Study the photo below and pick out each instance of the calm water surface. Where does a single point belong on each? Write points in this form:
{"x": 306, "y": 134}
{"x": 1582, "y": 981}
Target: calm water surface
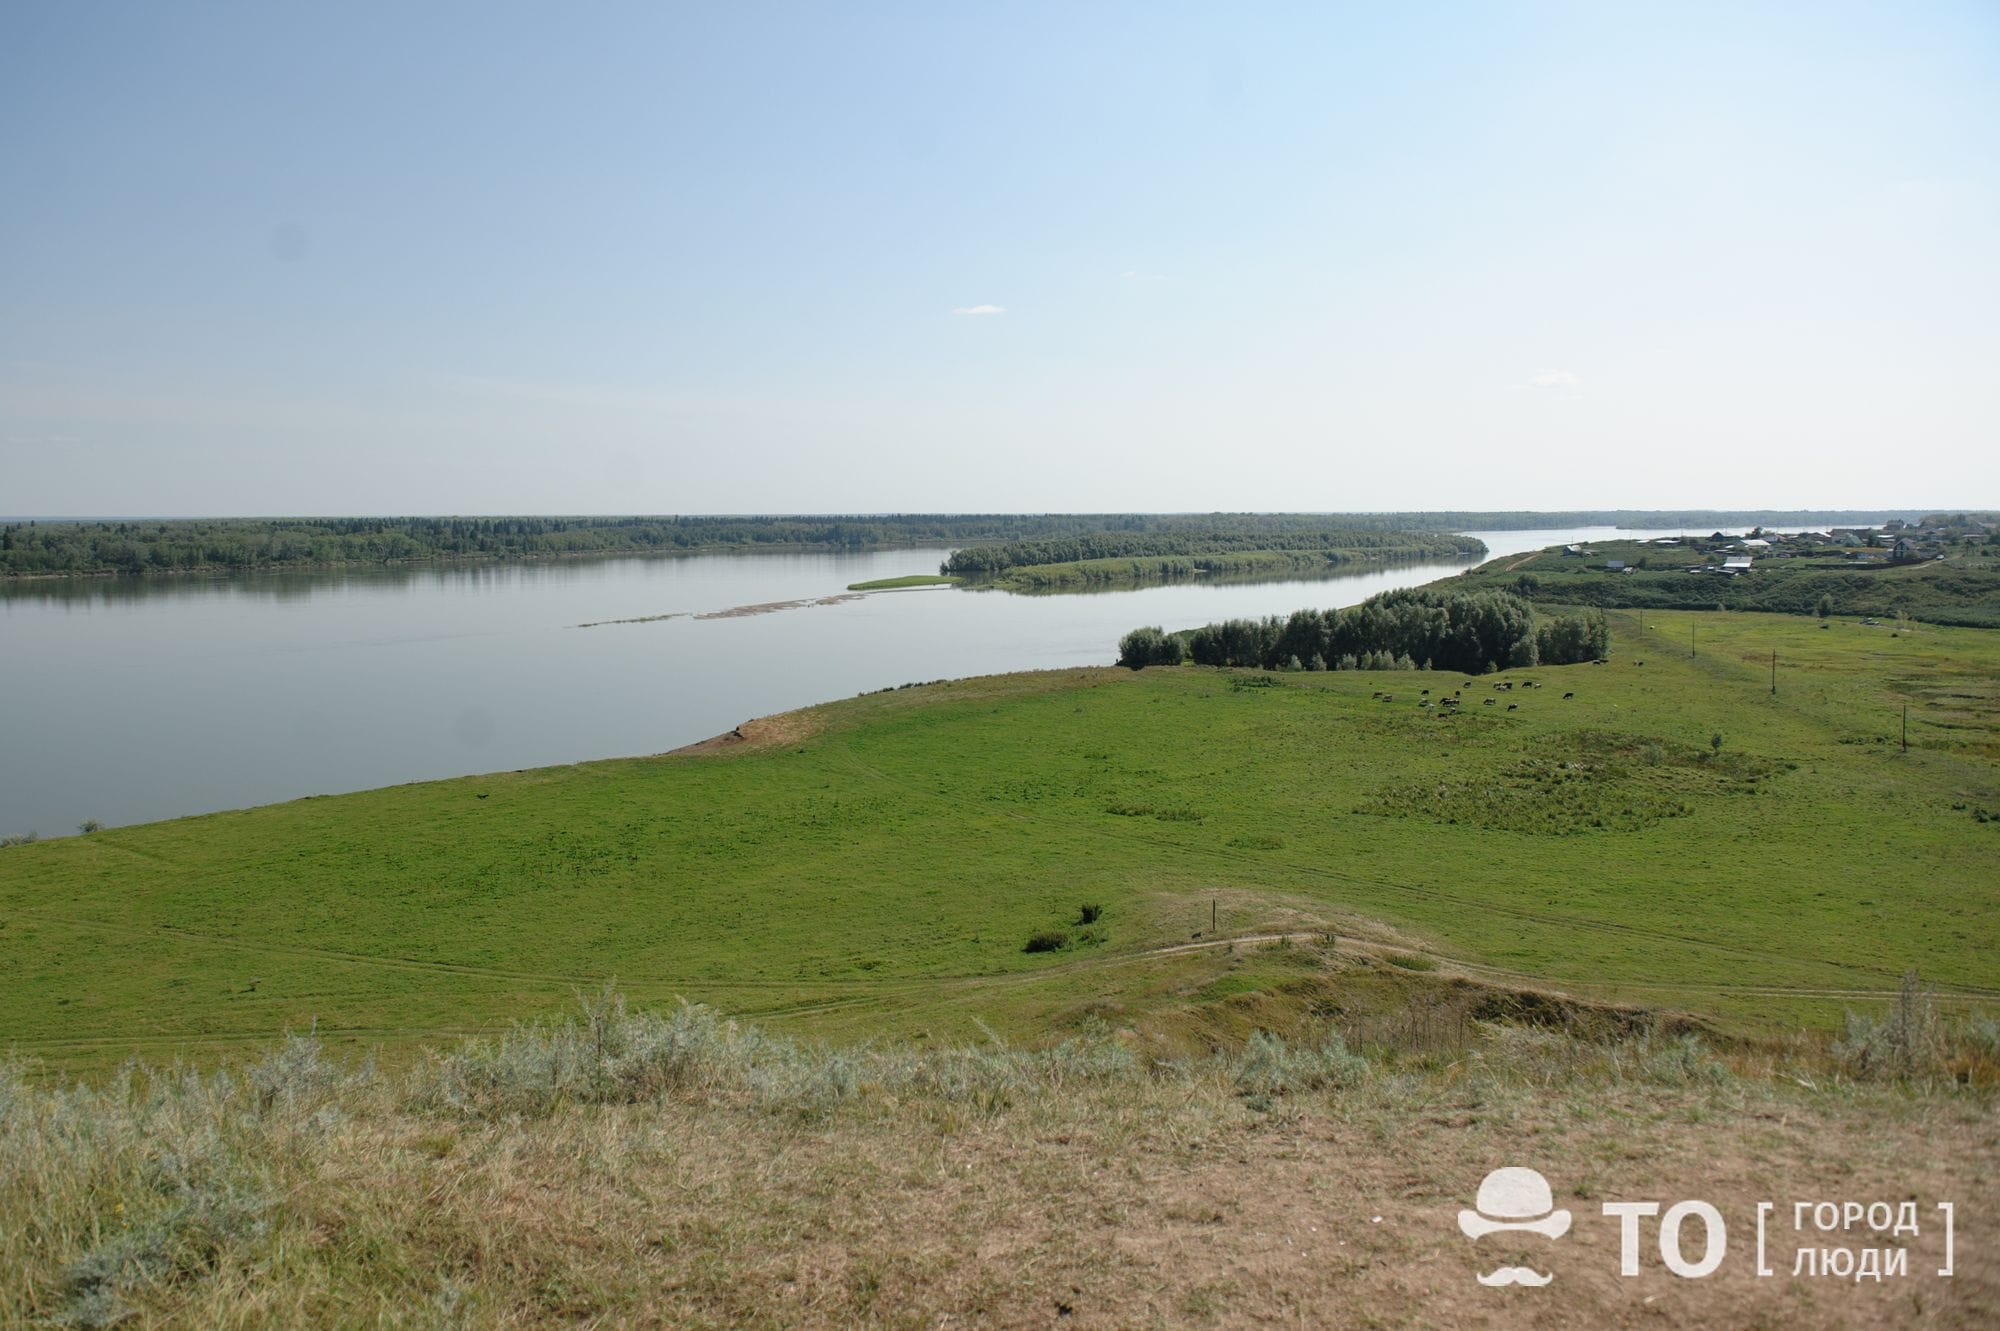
{"x": 128, "y": 701}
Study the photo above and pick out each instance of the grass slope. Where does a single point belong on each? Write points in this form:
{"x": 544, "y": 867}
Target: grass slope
{"x": 645, "y": 1169}
{"x": 875, "y": 866}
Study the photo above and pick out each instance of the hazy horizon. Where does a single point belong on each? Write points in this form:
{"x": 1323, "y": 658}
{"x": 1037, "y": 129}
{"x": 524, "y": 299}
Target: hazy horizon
{"x": 483, "y": 259}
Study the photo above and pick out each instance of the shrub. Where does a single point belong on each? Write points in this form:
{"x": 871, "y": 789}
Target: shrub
{"x": 1685, "y": 1061}
{"x": 1905, "y": 1044}
{"x": 1089, "y": 914}
{"x": 1048, "y": 940}
{"x": 1269, "y": 1066}
{"x": 1150, "y": 646}
{"x": 89, "y": 825}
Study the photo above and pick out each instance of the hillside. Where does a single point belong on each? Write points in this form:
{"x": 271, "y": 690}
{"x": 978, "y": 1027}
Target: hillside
{"x": 666, "y": 1169}
{"x": 1604, "y": 843}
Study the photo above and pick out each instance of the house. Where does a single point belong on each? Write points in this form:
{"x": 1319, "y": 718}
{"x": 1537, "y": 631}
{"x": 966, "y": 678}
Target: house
{"x": 1736, "y": 564}
{"x": 1755, "y": 543}
{"x": 1615, "y": 565}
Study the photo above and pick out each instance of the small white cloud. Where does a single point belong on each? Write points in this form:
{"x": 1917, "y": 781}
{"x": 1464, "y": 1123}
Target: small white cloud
{"x": 980, "y": 309}
{"x": 1555, "y": 379}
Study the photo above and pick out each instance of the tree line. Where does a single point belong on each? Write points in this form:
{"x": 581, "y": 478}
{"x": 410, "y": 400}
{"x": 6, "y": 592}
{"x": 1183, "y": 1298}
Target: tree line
{"x": 1417, "y": 628}
{"x": 1335, "y": 544}
{"x": 138, "y": 546}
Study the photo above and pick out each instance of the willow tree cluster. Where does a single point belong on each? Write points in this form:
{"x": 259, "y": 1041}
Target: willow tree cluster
{"x": 1415, "y": 629}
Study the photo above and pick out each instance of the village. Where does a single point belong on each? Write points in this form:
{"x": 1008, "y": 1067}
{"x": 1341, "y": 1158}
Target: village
{"x": 1895, "y": 542}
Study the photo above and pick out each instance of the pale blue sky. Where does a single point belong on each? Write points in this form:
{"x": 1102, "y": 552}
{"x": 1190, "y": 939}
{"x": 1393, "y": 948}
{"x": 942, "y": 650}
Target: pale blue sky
{"x": 276, "y": 258}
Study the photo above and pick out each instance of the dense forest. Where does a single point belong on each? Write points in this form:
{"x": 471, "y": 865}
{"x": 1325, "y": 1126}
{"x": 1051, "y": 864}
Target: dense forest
{"x": 1420, "y": 628}
{"x": 149, "y": 545}
{"x": 1326, "y": 545}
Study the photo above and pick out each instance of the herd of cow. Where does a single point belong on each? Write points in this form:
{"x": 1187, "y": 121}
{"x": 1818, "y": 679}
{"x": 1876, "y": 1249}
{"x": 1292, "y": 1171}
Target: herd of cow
{"x": 1449, "y": 703}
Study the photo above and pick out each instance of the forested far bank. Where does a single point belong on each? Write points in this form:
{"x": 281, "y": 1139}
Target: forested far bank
{"x": 1419, "y": 628}
{"x": 30, "y": 547}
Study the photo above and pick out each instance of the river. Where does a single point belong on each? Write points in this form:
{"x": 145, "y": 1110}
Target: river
{"x": 129, "y": 700}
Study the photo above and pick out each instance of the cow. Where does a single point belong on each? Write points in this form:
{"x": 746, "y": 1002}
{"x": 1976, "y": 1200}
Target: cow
{"x": 1568, "y": 696}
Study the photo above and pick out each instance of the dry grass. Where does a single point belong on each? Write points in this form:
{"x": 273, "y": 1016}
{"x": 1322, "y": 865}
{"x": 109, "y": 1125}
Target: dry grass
{"x": 677, "y": 1170}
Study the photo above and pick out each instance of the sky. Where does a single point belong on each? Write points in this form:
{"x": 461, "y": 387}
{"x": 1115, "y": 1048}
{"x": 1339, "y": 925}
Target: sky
{"x": 277, "y": 258}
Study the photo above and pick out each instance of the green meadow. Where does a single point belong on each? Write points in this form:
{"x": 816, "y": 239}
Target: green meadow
{"x": 1674, "y": 835}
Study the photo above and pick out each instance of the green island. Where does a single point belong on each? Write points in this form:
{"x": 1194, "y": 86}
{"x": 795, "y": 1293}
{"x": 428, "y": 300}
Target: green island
{"x": 1727, "y": 912}
{"x": 907, "y": 580}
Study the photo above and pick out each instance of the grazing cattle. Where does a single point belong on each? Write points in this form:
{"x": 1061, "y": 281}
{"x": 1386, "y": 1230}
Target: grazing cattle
{"x": 1568, "y": 696}
{"x": 1488, "y": 701}
{"x": 1638, "y": 663}
{"x": 1376, "y": 694}
{"x": 1427, "y": 692}
{"x": 1388, "y": 697}
{"x": 1513, "y": 707}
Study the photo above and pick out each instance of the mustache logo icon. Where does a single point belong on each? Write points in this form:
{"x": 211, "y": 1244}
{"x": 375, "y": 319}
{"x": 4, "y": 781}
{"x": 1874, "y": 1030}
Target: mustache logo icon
{"x": 1514, "y": 1201}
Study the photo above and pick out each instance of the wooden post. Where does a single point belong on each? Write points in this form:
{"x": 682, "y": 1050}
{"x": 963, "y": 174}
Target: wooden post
{"x": 1690, "y": 639}
{"x": 1906, "y": 727}
{"x": 1774, "y": 674}
{"x": 1211, "y": 900}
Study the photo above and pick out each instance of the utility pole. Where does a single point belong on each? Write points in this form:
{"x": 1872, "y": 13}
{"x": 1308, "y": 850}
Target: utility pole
{"x": 1211, "y": 900}
{"x": 1690, "y": 637}
{"x": 1774, "y": 673}
{"x": 1906, "y": 727}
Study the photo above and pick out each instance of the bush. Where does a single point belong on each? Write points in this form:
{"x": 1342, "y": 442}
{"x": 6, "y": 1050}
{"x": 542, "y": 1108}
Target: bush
{"x": 1089, "y": 914}
{"x": 1150, "y": 646}
{"x": 1906, "y": 1044}
{"x": 1269, "y": 1066}
{"x": 1049, "y": 940}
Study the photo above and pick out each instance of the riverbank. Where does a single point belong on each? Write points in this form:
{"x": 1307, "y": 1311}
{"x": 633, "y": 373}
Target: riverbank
{"x": 1580, "y": 843}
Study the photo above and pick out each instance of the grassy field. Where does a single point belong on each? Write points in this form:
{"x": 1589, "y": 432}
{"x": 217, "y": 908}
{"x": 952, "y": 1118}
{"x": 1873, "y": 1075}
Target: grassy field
{"x": 875, "y": 867}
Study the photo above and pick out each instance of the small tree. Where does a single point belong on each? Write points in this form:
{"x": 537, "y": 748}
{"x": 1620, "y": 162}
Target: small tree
{"x": 1825, "y": 608}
